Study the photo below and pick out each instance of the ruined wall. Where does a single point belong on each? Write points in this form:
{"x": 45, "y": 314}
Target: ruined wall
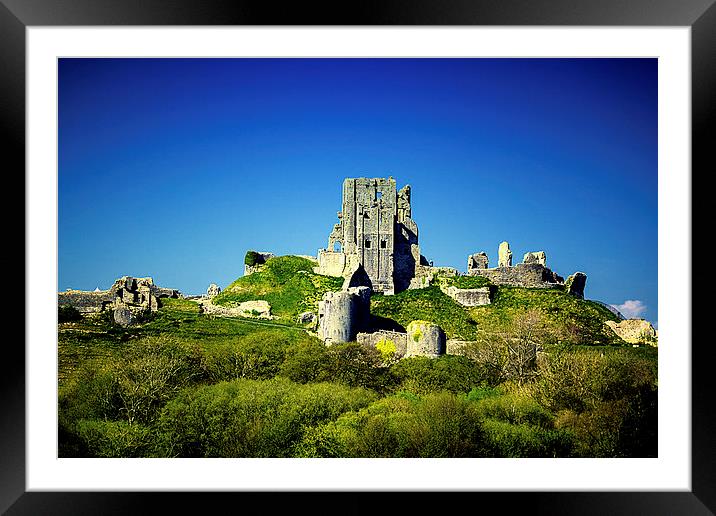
{"x": 469, "y": 296}
{"x": 126, "y": 292}
{"x": 86, "y": 302}
{"x": 575, "y": 284}
{"x": 530, "y": 275}
{"x": 399, "y": 340}
{"x": 330, "y": 263}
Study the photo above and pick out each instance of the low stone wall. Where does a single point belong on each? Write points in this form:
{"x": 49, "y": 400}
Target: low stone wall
{"x": 258, "y": 309}
{"x": 530, "y": 275}
{"x": 330, "y": 263}
{"x": 127, "y": 290}
{"x": 86, "y": 302}
{"x": 456, "y": 347}
{"x": 397, "y": 339}
{"x": 469, "y": 296}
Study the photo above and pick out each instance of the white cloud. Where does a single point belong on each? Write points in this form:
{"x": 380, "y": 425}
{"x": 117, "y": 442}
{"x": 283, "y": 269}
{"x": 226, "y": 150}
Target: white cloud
{"x": 631, "y": 308}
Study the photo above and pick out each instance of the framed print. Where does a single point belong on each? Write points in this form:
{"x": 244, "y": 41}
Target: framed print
{"x": 80, "y": 77}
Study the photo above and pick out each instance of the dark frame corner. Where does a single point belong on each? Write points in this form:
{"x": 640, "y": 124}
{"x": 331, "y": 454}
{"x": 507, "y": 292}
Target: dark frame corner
{"x": 700, "y": 15}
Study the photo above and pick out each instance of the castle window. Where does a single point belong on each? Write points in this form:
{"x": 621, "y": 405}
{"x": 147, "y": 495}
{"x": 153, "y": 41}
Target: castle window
{"x": 367, "y": 244}
{"x": 366, "y": 216}
{"x": 383, "y": 244}
{"x": 378, "y": 195}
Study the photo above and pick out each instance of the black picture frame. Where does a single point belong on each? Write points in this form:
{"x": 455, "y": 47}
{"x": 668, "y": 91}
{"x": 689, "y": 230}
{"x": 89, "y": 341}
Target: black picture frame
{"x": 699, "y": 15}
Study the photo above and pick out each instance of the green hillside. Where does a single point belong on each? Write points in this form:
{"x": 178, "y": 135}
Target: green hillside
{"x": 572, "y": 320}
{"x": 288, "y": 283}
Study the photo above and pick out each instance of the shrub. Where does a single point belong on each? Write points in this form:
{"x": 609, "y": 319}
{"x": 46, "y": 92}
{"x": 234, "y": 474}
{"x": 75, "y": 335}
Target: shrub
{"x": 68, "y": 313}
{"x": 152, "y": 371}
{"x": 422, "y": 374}
{"x": 255, "y": 356}
{"x": 114, "y": 438}
{"x": 253, "y": 258}
{"x": 438, "y": 425}
{"x": 248, "y": 418}
{"x": 91, "y": 392}
{"x": 305, "y": 362}
{"x": 356, "y": 365}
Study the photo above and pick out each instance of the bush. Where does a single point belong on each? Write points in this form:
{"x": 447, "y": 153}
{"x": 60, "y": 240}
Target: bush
{"x": 152, "y": 371}
{"x": 253, "y": 258}
{"x": 249, "y": 418}
{"x": 68, "y": 313}
{"x": 356, "y": 365}
{"x": 438, "y": 425}
{"x": 305, "y": 362}
{"x": 114, "y": 438}
{"x": 91, "y": 392}
{"x": 421, "y": 375}
{"x": 257, "y": 356}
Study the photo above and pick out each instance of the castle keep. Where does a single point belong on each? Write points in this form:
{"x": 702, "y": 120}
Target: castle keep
{"x": 375, "y": 231}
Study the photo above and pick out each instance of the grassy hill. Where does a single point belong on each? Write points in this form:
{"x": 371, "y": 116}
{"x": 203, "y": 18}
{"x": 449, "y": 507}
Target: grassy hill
{"x": 576, "y": 321}
{"x": 290, "y": 286}
{"x": 288, "y": 283}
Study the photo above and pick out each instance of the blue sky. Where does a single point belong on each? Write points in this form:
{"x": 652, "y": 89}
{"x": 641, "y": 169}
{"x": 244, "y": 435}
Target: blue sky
{"x": 174, "y": 168}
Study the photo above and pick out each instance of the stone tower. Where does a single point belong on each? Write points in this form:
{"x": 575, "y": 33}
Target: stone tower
{"x": 375, "y": 230}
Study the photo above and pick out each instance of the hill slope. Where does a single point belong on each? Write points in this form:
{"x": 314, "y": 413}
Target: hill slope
{"x": 290, "y": 286}
{"x": 288, "y": 283}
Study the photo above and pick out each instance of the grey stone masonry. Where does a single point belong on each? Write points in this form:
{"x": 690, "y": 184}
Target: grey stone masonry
{"x": 342, "y": 314}
{"x": 504, "y": 255}
{"x": 425, "y": 339}
{"x": 469, "y": 296}
{"x": 399, "y": 340}
{"x": 575, "y": 284}
{"x": 531, "y": 275}
{"x": 477, "y": 261}
{"x": 538, "y": 257}
{"x": 375, "y": 226}
{"x": 138, "y": 293}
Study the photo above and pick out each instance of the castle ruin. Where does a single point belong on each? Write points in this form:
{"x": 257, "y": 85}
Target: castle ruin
{"x": 375, "y": 231}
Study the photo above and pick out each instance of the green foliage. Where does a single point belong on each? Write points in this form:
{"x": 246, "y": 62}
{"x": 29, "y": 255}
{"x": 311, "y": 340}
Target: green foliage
{"x": 152, "y": 371}
{"x": 92, "y": 392}
{"x": 437, "y": 425}
{"x": 305, "y": 362}
{"x": 577, "y": 321}
{"x": 249, "y": 418}
{"x": 468, "y": 281}
{"x": 572, "y": 320}
{"x": 352, "y": 364}
{"x": 68, "y": 313}
{"x": 184, "y": 383}
{"x": 503, "y": 439}
{"x": 608, "y": 400}
{"x": 257, "y": 356}
{"x": 429, "y": 304}
{"x": 386, "y": 348}
{"x": 115, "y": 438}
{"x": 286, "y": 282}
{"x": 422, "y": 375}
{"x": 253, "y": 258}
